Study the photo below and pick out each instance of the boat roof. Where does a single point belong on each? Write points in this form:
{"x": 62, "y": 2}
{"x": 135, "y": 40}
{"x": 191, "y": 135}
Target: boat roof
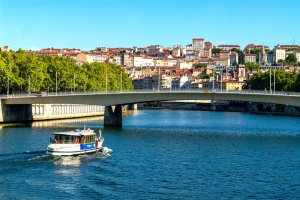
{"x": 76, "y": 132}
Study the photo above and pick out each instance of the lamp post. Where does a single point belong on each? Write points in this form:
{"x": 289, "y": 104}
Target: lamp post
{"x": 270, "y": 81}
{"x": 274, "y": 81}
{"x": 106, "y": 79}
{"x": 7, "y": 85}
{"x": 121, "y": 82}
{"x": 56, "y": 82}
{"x": 74, "y": 83}
{"x": 213, "y": 86}
{"x": 222, "y": 80}
{"x": 29, "y": 85}
{"x": 158, "y": 79}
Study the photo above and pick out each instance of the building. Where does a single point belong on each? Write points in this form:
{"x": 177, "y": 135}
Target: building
{"x": 287, "y": 47}
{"x": 198, "y": 44}
{"x": 5, "y": 48}
{"x": 140, "y": 61}
{"x": 234, "y": 58}
{"x": 117, "y": 59}
{"x": 127, "y": 59}
{"x": 263, "y": 57}
{"x": 178, "y": 51}
{"x": 222, "y": 61}
{"x": 250, "y": 58}
{"x": 162, "y": 81}
{"x": 227, "y": 47}
{"x": 250, "y": 47}
{"x": 233, "y": 85}
{"x": 153, "y": 49}
{"x": 92, "y": 57}
{"x": 49, "y": 52}
{"x": 279, "y": 54}
{"x": 270, "y": 58}
{"x": 242, "y": 72}
{"x": 297, "y": 56}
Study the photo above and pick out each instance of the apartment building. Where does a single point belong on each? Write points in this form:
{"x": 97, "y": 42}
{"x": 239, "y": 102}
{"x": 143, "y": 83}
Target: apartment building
{"x": 250, "y": 58}
{"x": 228, "y": 47}
{"x": 92, "y": 57}
{"x": 234, "y": 58}
{"x": 279, "y": 54}
{"x": 198, "y": 44}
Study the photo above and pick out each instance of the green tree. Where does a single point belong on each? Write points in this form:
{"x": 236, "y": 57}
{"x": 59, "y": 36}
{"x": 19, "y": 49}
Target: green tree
{"x": 216, "y": 50}
{"x": 291, "y": 59}
{"x": 27, "y": 72}
{"x": 252, "y": 66}
{"x": 201, "y": 66}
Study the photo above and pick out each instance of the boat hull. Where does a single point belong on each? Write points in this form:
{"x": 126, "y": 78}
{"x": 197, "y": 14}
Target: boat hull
{"x": 72, "y": 153}
{"x": 73, "y": 149}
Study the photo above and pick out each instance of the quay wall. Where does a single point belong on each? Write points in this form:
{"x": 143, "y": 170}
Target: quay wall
{"x": 39, "y": 112}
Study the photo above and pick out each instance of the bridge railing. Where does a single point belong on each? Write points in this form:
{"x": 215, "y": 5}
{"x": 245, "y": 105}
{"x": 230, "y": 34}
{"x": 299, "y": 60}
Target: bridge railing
{"x": 262, "y": 92}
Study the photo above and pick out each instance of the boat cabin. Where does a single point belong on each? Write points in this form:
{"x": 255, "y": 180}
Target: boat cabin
{"x": 73, "y": 137}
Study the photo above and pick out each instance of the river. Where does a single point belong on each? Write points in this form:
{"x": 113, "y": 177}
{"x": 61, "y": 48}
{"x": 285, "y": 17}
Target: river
{"x": 161, "y": 154}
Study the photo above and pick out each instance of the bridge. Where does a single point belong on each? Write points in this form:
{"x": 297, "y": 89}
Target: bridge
{"x": 113, "y": 101}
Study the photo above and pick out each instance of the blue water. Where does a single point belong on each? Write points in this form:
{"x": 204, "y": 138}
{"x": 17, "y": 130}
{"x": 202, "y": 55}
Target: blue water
{"x": 159, "y": 155}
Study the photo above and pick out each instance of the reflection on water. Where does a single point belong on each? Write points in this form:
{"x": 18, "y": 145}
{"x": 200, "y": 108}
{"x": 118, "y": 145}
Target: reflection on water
{"x": 67, "y": 160}
{"x": 75, "y": 161}
{"x": 65, "y": 122}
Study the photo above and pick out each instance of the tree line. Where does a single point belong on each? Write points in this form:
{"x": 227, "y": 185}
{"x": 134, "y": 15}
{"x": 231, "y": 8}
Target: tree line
{"x": 23, "y": 71}
{"x": 284, "y": 81}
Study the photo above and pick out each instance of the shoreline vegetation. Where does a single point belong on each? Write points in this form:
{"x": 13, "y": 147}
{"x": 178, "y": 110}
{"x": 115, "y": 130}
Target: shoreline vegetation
{"x": 23, "y": 71}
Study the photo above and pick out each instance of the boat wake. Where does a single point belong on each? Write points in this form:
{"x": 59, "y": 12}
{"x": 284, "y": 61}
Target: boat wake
{"x": 106, "y": 151}
{"x": 42, "y": 156}
{"x": 20, "y": 155}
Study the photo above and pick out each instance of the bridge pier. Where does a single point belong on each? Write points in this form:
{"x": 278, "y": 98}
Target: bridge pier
{"x": 113, "y": 117}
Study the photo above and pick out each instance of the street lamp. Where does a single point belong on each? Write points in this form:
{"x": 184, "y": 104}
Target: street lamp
{"x": 274, "y": 80}
{"x": 213, "y": 78}
{"x": 121, "y": 81}
{"x": 56, "y": 82}
{"x": 74, "y": 84}
{"x": 270, "y": 81}
{"x": 158, "y": 79}
{"x": 106, "y": 79}
{"x": 29, "y": 85}
{"x": 7, "y": 85}
{"x": 222, "y": 80}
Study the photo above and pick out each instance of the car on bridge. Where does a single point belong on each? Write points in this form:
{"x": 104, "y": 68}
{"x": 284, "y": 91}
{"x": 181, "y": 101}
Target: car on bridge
{"x": 40, "y": 94}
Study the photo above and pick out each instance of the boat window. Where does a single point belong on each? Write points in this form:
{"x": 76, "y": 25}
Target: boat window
{"x": 81, "y": 139}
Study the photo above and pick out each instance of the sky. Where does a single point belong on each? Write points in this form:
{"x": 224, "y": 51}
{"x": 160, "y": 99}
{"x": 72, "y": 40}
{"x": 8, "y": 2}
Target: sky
{"x": 87, "y": 24}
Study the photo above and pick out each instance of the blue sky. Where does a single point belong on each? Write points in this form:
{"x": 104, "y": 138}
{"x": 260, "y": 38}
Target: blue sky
{"x": 86, "y": 24}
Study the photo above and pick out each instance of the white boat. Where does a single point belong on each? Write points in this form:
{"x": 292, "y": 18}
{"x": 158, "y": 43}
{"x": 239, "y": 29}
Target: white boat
{"x": 75, "y": 142}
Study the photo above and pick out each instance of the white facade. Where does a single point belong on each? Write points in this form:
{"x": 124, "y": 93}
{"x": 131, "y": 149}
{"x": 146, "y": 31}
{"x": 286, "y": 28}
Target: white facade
{"x": 117, "y": 59}
{"x": 298, "y": 56}
{"x": 222, "y": 62}
{"x": 185, "y": 65}
{"x": 250, "y": 58}
{"x": 140, "y": 61}
{"x": 227, "y": 47}
{"x": 198, "y": 44}
{"x": 279, "y": 54}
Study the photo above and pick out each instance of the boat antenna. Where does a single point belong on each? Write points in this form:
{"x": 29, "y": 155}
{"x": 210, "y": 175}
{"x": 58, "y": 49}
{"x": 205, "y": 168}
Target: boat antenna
{"x": 84, "y": 127}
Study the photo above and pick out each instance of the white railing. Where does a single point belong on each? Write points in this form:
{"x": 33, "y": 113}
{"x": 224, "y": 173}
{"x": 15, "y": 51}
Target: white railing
{"x": 217, "y": 91}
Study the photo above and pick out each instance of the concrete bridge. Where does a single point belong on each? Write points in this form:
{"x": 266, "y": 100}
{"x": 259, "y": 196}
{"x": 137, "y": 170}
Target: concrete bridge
{"x": 113, "y": 101}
